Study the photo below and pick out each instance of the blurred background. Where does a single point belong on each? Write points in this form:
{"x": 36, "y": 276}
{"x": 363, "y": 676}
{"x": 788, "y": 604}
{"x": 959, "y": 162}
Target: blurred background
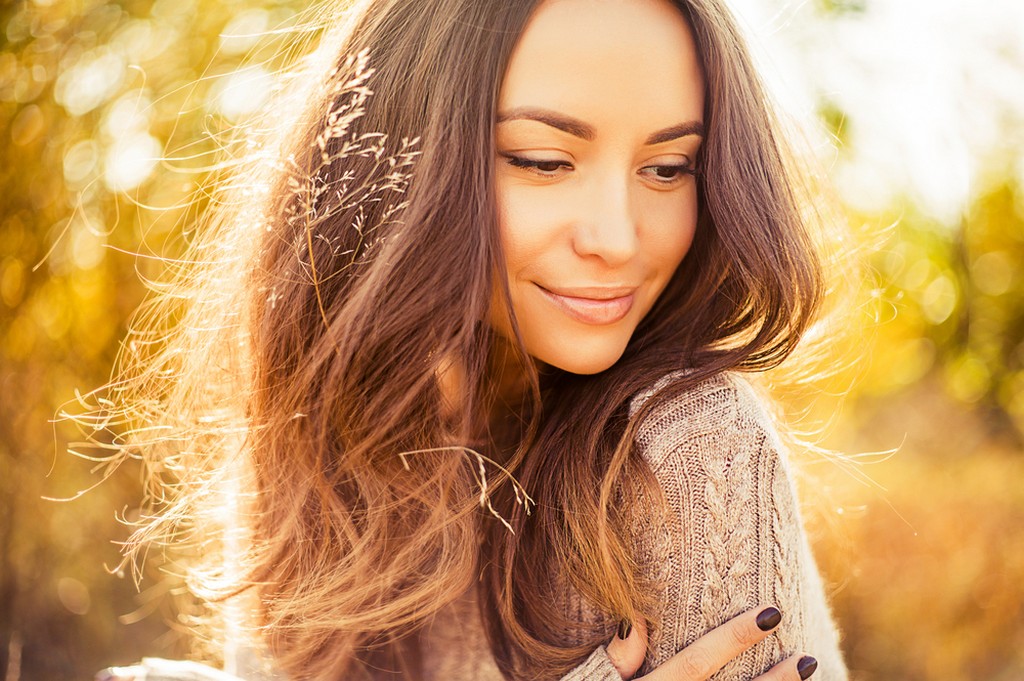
{"x": 109, "y": 113}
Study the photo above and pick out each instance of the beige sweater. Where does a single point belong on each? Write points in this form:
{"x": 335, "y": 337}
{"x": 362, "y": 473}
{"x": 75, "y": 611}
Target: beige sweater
{"x": 734, "y": 541}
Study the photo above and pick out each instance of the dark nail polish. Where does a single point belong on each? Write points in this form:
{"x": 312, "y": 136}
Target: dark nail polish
{"x": 806, "y": 666}
{"x": 624, "y": 629}
{"x": 768, "y": 619}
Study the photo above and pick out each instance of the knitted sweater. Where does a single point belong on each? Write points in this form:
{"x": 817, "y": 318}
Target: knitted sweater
{"x": 733, "y": 541}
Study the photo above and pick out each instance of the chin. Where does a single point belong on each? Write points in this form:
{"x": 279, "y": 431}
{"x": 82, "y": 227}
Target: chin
{"x": 581, "y": 360}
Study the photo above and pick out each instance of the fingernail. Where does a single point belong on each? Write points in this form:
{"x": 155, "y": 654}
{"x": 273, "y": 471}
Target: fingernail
{"x": 624, "y": 629}
{"x": 768, "y": 619}
{"x": 806, "y": 666}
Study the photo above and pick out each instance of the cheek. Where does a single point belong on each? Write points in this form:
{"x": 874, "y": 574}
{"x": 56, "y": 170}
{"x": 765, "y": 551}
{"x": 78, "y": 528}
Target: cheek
{"x": 528, "y": 223}
{"x": 671, "y": 228}
{"x": 524, "y": 234}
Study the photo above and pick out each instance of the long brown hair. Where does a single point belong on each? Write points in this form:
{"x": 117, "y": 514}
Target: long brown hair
{"x": 321, "y": 314}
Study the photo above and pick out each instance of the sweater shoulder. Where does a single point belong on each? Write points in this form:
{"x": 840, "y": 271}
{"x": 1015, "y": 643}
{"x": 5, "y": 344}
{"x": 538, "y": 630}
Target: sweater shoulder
{"x": 713, "y": 418}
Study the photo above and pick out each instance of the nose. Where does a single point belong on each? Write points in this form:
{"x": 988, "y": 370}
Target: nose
{"x": 607, "y": 229}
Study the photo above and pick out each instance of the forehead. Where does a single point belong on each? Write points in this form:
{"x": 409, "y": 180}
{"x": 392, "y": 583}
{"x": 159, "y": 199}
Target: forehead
{"x": 609, "y": 59}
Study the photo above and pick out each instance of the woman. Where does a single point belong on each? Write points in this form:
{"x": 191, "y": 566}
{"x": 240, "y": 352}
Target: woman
{"x": 481, "y": 355}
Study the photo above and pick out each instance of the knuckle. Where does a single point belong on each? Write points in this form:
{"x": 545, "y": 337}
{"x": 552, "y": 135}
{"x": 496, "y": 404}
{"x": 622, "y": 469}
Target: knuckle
{"x": 696, "y": 663}
{"x": 742, "y": 636}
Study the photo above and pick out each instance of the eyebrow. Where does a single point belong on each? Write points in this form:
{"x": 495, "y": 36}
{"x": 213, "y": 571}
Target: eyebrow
{"x": 578, "y": 128}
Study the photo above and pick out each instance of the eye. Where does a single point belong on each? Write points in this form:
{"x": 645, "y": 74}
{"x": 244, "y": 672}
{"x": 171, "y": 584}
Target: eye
{"x": 669, "y": 174}
{"x": 542, "y": 167}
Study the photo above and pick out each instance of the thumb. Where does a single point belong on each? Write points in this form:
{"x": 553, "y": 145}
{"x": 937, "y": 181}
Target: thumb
{"x": 627, "y": 655}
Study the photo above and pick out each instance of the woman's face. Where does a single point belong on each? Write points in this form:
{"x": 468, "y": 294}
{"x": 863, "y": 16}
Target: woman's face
{"x": 599, "y": 122}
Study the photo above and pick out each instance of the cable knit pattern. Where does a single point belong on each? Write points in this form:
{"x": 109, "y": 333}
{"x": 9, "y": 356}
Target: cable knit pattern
{"x": 732, "y": 541}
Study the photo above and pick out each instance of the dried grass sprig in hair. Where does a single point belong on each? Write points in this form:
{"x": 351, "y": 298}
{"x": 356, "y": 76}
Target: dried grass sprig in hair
{"x": 321, "y": 194}
{"x": 522, "y": 498}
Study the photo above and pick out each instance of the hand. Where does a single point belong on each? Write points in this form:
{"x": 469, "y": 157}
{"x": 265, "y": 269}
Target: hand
{"x": 156, "y": 669}
{"x": 712, "y": 651}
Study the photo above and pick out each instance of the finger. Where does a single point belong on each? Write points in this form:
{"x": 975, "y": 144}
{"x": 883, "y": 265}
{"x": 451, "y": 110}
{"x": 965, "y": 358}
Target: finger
{"x": 712, "y": 651}
{"x": 796, "y": 668}
{"x": 628, "y": 654}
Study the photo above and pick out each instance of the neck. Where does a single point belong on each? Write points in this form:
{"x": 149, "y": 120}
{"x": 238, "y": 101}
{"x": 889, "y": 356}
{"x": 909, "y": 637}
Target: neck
{"x": 509, "y": 371}
{"x": 509, "y": 378}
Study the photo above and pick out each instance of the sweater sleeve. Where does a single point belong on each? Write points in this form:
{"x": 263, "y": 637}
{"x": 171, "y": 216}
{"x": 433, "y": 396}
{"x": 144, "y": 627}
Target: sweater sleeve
{"x": 597, "y": 667}
{"x": 732, "y": 539}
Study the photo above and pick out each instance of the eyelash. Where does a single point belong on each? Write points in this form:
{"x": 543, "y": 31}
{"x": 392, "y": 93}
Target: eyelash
{"x": 534, "y": 166}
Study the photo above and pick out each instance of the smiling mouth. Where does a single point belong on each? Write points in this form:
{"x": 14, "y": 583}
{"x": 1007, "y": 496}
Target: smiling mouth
{"x": 598, "y": 307}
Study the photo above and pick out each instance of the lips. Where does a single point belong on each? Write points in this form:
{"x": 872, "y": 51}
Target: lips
{"x": 592, "y": 305}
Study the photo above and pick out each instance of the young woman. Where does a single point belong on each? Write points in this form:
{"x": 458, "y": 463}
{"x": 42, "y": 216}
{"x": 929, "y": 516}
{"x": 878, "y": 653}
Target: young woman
{"x": 470, "y": 365}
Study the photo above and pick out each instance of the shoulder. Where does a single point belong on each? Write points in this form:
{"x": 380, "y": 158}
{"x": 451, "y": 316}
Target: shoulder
{"x": 719, "y": 391}
{"x": 714, "y": 419}
{"x": 729, "y": 532}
